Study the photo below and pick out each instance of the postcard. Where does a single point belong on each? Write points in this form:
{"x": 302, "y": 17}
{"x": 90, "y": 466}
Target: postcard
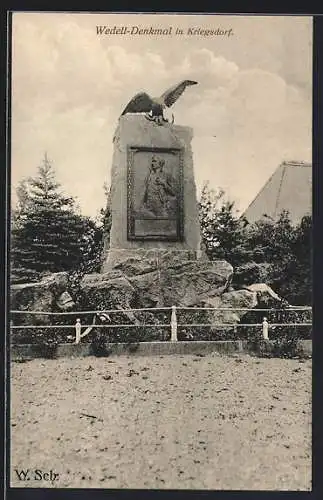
{"x": 160, "y": 265}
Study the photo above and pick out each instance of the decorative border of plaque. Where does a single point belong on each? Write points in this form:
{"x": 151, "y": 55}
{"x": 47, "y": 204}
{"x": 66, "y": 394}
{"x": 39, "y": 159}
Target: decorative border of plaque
{"x": 155, "y": 195}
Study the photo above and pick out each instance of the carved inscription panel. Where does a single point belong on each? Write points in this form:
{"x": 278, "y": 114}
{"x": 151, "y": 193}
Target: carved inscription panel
{"x": 155, "y": 194}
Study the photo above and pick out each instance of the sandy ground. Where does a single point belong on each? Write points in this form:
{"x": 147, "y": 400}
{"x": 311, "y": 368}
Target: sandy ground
{"x": 197, "y": 422}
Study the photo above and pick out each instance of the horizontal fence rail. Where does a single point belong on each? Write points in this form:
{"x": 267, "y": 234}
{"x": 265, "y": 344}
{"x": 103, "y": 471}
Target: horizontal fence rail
{"x": 106, "y": 311}
{"x": 290, "y": 308}
{"x": 127, "y": 325}
{"x": 173, "y": 324}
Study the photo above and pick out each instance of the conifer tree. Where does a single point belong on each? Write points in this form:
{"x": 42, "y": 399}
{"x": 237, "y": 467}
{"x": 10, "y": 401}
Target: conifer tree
{"x": 48, "y": 235}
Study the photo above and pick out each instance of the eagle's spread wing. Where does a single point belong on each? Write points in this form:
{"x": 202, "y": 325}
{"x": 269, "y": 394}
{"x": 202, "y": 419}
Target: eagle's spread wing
{"x": 171, "y": 95}
{"x": 140, "y": 103}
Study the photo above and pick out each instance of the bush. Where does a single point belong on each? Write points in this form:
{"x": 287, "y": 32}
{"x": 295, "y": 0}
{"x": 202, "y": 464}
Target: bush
{"x": 41, "y": 336}
{"x": 260, "y": 347}
{"x": 290, "y": 316}
{"x": 288, "y": 346}
{"x": 133, "y": 332}
{"x": 249, "y": 273}
{"x": 285, "y": 340}
{"x": 99, "y": 347}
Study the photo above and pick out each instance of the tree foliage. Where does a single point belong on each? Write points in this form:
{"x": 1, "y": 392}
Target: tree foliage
{"x": 223, "y": 232}
{"x": 275, "y": 252}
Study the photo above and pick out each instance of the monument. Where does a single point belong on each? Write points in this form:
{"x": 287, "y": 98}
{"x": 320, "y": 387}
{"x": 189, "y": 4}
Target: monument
{"x": 153, "y": 256}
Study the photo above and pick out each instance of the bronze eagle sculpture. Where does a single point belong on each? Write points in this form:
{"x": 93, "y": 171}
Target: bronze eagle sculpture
{"x": 154, "y": 106}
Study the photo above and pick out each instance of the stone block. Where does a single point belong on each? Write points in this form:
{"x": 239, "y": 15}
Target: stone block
{"x": 48, "y": 295}
{"x": 187, "y": 283}
{"x": 136, "y": 131}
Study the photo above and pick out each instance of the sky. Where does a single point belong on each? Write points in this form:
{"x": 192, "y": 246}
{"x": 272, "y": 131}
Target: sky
{"x": 251, "y": 109}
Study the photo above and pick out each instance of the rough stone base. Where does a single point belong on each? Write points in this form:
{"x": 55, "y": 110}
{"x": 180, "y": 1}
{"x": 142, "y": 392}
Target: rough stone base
{"x": 157, "y": 279}
{"x": 140, "y": 260}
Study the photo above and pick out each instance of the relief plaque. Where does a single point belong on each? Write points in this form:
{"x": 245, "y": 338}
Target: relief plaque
{"x": 155, "y": 194}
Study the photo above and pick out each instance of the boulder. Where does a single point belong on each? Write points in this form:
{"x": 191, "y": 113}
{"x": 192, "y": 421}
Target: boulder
{"x": 233, "y": 300}
{"x": 148, "y": 283}
{"x": 148, "y": 292}
{"x": 266, "y": 297}
{"x": 173, "y": 257}
{"x": 187, "y": 283}
{"x": 139, "y": 261}
{"x": 238, "y": 303}
{"x": 164, "y": 279}
{"x": 132, "y": 263}
{"x": 151, "y": 283}
{"x": 106, "y": 291}
{"x": 48, "y": 295}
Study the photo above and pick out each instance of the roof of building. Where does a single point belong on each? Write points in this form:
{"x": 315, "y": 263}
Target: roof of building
{"x": 289, "y": 188}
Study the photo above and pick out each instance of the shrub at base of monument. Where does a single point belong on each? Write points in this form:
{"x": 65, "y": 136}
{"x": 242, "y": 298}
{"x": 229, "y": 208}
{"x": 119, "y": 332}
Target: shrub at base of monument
{"x": 42, "y": 336}
{"x": 289, "y": 347}
{"x": 99, "y": 346}
{"x": 285, "y": 339}
{"x": 251, "y": 272}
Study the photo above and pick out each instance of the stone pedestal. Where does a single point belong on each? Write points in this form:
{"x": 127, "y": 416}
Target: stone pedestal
{"x": 154, "y": 257}
{"x": 140, "y": 231}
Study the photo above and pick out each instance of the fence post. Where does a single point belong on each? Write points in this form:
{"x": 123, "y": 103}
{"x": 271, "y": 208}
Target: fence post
{"x": 78, "y": 331}
{"x": 265, "y": 326}
{"x": 173, "y": 325}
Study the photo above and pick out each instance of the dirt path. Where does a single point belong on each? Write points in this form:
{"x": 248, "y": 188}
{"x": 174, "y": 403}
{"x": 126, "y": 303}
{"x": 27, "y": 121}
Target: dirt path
{"x": 211, "y": 422}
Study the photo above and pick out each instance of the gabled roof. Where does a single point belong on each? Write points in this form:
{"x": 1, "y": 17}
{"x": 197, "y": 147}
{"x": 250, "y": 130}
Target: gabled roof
{"x": 289, "y": 188}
